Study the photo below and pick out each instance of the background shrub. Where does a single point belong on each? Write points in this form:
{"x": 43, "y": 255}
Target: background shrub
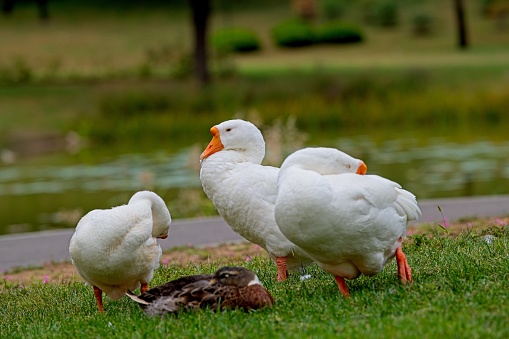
{"x": 338, "y": 33}
{"x": 230, "y": 40}
{"x": 333, "y": 9}
{"x": 422, "y": 23}
{"x": 293, "y": 33}
{"x": 383, "y": 13}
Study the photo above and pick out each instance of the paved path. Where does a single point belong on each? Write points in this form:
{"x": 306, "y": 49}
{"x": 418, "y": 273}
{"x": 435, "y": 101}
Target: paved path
{"x": 40, "y": 247}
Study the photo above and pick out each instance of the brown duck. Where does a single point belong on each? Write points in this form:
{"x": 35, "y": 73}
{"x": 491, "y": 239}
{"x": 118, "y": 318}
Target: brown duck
{"x": 229, "y": 287}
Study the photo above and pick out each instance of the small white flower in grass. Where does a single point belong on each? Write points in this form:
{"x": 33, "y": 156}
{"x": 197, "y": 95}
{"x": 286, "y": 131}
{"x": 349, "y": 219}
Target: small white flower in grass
{"x": 489, "y": 238}
{"x": 305, "y": 277}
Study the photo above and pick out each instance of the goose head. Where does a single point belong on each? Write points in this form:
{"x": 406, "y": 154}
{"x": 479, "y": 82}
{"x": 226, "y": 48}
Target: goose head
{"x": 238, "y": 139}
{"x": 325, "y": 161}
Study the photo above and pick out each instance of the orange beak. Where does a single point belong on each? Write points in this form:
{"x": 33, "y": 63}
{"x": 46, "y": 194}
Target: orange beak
{"x": 362, "y": 168}
{"x": 215, "y": 145}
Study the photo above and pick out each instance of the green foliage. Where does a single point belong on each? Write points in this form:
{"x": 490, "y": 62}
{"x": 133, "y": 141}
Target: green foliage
{"x": 228, "y": 40}
{"x": 383, "y": 13}
{"x": 293, "y": 33}
{"x": 459, "y": 290}
{"x": 134, "y": 103}
{"x": 338, "y": 33}
{"x": 173, "y": 59}
{"x": 17, "y": 72}
{"x": 298, "y": 33}
{"x": 333, "y": 9}
{"x": 422, "y": 23}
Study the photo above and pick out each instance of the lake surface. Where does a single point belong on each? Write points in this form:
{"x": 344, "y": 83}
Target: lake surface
{"x": 55, "y": 191}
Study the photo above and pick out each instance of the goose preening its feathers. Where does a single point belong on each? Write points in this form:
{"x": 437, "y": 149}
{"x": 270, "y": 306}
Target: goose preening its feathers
{"x": 349, "y": 224}
{"x": 244, "y": 192}
{"x": 115, "y": 250}
{"x": 229, "y": 287}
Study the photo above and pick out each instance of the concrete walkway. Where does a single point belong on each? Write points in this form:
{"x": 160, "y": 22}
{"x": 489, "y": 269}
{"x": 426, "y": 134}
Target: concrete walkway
{"x": 34, "y": 249}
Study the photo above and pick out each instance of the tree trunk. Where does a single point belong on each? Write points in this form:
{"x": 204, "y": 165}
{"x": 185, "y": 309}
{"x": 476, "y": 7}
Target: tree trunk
{"x": 200, "y": 14}
{"x": 8, "y": 7}
{"x": 42, "y": 6}
{"x": 459, "y": 10}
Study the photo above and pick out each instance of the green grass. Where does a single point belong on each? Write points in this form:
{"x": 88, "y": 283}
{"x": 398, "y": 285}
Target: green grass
{"x": 460, "y": 290}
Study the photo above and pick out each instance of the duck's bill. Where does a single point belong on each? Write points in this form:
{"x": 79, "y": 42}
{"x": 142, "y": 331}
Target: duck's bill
{"x": 215, "y": 145}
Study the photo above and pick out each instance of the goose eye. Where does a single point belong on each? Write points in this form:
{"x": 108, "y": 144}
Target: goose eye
{"x": 348, "y": 166}
{"x": 228, "y": 129}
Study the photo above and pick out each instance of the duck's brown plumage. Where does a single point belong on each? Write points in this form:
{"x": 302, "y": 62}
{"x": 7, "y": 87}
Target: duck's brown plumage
{"x": 229, "y": 287}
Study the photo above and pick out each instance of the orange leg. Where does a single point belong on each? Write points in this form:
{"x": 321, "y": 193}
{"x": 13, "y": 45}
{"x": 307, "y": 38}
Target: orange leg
{"x": 144, "y": 287}
{"x": 282, "y": 273}
{"x": 342, "y": 286}
{"x": 404, "y": 271}
{"x": 98, "y": 293}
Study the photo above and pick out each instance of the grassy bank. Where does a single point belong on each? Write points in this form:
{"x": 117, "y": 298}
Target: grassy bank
{"x": 322, "y": 103}
{"x": 122, "y": 74}
{"x": 459, "y": 289}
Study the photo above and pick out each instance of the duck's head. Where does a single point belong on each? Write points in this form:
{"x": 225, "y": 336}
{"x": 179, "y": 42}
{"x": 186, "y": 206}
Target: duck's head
{"x": 325, "y": 161}
{"x": 235, "y": 276}
{"x": 239, "y": 136}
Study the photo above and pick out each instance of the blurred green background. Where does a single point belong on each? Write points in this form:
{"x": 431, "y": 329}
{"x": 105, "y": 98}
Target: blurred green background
{"x": 100, "y": 100}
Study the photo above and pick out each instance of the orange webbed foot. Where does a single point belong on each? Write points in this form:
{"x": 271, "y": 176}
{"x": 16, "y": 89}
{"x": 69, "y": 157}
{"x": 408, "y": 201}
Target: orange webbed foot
{"x": 404, "y": 270}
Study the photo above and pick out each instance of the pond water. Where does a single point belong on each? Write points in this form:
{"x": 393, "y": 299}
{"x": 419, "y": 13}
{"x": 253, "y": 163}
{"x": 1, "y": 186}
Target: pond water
{"x": 54, "y": 192}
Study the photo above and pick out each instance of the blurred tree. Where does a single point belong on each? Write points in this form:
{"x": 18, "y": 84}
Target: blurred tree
{"x": 305, "y": 9}
{"x": 497, "y": 10}
{"x": 200, "y": 11}
{"x": 8, "y": 7}
{"x": 42, "y": 6}
{"x": 459, "y": 10}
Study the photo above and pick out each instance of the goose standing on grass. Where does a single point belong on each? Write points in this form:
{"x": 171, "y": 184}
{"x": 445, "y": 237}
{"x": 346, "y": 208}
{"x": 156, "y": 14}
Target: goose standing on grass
{"x": 229, "y": 287}
{"x": 115, "y": 250}
{"x": 244, "y": 191}
{"x": 348, "y": 223}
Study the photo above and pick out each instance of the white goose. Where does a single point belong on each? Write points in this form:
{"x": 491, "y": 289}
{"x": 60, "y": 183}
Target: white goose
{"x": 349, "y": 224}
{"x": 244, "y": 191}
{"x": 115, "y": 250}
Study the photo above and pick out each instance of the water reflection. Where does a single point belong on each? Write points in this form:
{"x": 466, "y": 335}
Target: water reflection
{"x": 124, "y": 173}
{"x": 439, "y": 168}
{"x": 38, "y": 197}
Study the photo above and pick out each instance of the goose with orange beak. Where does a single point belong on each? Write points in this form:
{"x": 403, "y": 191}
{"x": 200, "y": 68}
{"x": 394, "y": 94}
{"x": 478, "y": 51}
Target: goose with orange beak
{"x": 349, "y": 224}
{"x": 244, "y": 191}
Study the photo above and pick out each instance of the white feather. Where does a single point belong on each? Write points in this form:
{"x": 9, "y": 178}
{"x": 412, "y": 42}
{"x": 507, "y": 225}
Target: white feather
{"x": 348, "y": 223}
{"x": 244, "y": 192}
{"x": 116, "y": 249}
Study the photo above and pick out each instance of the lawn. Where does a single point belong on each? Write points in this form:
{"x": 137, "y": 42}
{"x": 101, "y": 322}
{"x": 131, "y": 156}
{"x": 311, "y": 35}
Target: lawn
{"x": 459, "y": 290}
